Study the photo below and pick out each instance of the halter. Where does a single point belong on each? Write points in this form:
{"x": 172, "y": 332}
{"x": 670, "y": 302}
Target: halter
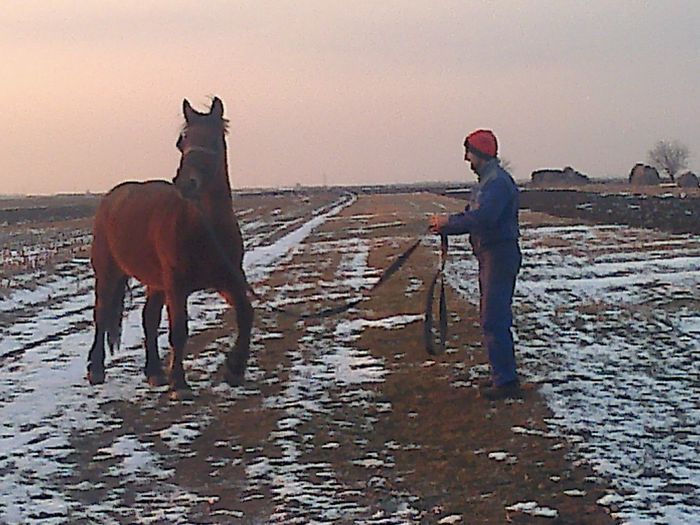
{"x": 207, "y": 151}
{"x": 201, "y": 149}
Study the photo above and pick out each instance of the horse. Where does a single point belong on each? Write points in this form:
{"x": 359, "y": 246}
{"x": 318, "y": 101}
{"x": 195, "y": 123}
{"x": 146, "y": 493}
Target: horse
{"x": 175, "y": 238}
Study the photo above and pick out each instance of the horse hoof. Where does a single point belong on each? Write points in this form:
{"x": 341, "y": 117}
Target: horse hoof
{"x": 96, "y": 378}
{"x": 234, "y": 379}
{"x": 182, "y": 394}
{"x": 157, "y": 380}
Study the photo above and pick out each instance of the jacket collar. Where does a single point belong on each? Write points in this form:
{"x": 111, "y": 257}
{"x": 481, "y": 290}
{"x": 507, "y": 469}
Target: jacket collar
{"x": 487, "y": 169}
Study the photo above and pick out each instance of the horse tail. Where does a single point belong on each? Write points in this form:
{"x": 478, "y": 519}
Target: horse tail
{"x": 114, "y": 325}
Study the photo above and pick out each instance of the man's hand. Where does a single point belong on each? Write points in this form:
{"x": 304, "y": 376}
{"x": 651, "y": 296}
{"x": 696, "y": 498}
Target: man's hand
{"x": 437, "y": 222}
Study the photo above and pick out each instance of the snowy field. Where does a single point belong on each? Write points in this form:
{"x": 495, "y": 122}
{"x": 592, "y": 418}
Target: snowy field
{"x": 607, "y": 322}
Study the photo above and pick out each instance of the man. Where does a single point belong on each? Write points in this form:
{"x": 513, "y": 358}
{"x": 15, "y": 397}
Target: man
{"x": 491, "y": 219}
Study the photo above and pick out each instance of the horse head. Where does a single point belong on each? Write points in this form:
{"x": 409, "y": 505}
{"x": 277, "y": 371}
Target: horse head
{"x": 202, "y": 146}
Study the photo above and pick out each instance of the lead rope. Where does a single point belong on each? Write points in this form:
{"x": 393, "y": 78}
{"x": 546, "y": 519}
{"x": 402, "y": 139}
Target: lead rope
{"x": 334, "y": 310}
{"x": 428, "y": 335}
{"x": 386, "y": 275}
{"x": 327, "y": 312}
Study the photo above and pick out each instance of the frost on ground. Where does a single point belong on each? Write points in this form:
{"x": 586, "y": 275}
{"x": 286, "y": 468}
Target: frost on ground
{"x": 608, "y": 322}
{"x": 533, "y": 509}
{"x": 46, "y": 405}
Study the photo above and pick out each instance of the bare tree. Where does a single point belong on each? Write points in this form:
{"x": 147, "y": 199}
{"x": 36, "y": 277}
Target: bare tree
{"x": 506, "y": 164}
{"x": 670, "y": 157}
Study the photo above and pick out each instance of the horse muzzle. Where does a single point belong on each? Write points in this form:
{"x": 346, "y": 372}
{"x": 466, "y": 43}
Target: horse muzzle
{"x": 190, "y": 184}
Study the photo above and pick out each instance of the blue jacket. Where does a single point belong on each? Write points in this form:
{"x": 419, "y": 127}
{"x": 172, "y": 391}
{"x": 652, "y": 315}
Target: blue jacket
{"x": 491, "y": 217}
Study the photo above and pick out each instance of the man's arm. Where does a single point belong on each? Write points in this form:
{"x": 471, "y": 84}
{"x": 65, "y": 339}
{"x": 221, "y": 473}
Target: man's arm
{"x": 492, "y": 200}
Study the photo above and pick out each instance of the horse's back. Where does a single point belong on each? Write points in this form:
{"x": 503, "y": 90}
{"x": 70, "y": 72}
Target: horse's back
{"x": 132, "y": 208}
{"x": 135, "y": 227}
{"x": 139, "y": 194}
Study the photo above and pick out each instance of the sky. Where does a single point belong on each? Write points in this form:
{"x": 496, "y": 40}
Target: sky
{"x": 330, "y": 92}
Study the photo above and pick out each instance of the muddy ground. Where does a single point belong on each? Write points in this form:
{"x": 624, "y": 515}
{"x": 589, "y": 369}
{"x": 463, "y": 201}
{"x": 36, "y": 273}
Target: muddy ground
{"x": 342, "y": 420}
{"x": 418, "y": 440}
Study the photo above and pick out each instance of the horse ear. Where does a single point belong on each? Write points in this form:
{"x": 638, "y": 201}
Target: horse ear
{"x": 217, "y": 108}
{"x": 187, "y": 109}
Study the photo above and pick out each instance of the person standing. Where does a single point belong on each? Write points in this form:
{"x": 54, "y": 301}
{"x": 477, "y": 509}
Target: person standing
{"x": 491, "y": 219}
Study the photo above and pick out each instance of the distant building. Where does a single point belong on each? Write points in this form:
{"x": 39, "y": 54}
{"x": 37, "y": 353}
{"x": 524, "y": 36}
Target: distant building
{"x": 688, "y": 180}
{"x": 555, "y": 177}
{"x": 643, "y": 175}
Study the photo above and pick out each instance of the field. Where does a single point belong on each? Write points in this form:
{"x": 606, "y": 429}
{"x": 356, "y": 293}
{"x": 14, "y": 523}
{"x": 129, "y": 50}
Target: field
{"x": 346, "y": 419}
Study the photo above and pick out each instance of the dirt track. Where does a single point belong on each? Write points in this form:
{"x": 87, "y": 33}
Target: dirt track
{"x": 411, "y": 447}
{"x": 342, "y": 420}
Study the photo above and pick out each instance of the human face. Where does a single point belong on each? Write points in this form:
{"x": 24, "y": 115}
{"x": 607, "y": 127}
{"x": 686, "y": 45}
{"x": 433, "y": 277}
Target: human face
{"x": 475, "y": 162}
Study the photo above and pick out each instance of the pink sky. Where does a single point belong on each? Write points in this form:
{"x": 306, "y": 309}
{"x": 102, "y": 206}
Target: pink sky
{"x": 342, "y": 92}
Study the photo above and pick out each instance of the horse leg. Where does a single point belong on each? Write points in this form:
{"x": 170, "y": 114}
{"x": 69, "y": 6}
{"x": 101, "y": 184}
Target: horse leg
{"x": 237, "y": 357}
{"x": 109, "y": 300}
{"x": 96, "y": 357}
{"x": 151, "y": 317}
{"x": 177, "y": 317}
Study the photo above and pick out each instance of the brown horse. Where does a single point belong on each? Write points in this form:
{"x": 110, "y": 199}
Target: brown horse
{"x": 176, "y": 239}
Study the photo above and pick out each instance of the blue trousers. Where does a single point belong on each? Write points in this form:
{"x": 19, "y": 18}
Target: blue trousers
{"x": 498, "y": 269}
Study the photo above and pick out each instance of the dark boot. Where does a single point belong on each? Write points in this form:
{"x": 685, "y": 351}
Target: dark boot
{"x": 510, "y": 390}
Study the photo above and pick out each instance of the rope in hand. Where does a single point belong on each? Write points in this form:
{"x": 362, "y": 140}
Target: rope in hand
{"x": 428, "y": 335}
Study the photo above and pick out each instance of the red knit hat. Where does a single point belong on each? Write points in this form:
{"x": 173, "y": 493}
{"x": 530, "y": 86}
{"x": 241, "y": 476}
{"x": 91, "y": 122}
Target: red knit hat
{"x": 482, "y": 142}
